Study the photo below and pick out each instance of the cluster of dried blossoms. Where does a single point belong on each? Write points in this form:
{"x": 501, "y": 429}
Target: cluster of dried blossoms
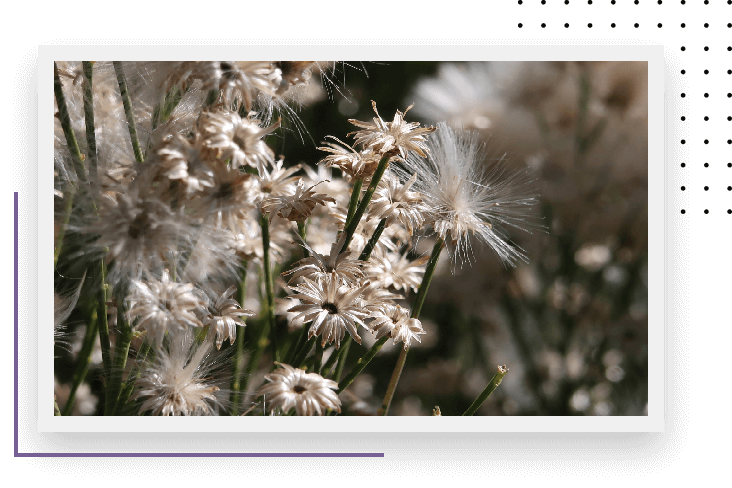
{"x": 174, "y": 195}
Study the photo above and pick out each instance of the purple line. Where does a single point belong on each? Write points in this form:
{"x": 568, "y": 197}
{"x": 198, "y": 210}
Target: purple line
{"x": 15, "y": 298}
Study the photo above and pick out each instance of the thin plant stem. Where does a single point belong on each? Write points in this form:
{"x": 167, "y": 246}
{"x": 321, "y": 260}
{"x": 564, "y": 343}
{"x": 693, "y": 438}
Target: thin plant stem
{"x": 427, "y": 279}
{"x": 362, "y": 363}
{"x": 63, "y": 115}
{"x": 328, "y": 366}
{"x": 418, "y": 302}
{"x": 62, "y": 231}
{"x": 102, "y": 320}
{"x": 366, "y": 254}
{"x": 236, "y": 395}
{"x": 76, "y": 157}
{"x": 82, "y": 368}
{"x": 260, "y": 342}
{"x": 318, "y": 356}
{"x": 300, "y": 357}
{"x": 353, "y": 223}
{"x": 121, "y": 351}
{"x": 395, "y": 375}
{"x": 297, "y": 346}
{"x": 302, "y": 229}
{"x": 211, "y": 98}
{"x": 172, "y": 99}
{"x": 123, "y": 407}
{"x": 122, "y": 81}
{"x": 495, "y": 381}
{"x": 269, "y": 286}
{"x": 56, "y": 411}
{"x": 91, "y": 140}
{"x": 343, "y": 356}
{"x": 164, "y": 108}
{"x": 353, "y": 203}
{"x": 129, "y": 386}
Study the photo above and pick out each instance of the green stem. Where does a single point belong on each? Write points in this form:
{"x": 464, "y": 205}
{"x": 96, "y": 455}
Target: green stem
{"x": 236, "y": 395}
{"x": 318, "y": 356}
{"x": 300, "y": 357}
{"x": 269, "y": 287}
{"x": 418, "y": 302}
{"x": 63, "y": 115}
{"x": 121, "y": 351}
{"x": 353, "y": 203}
{"x": 260, "y": 344}
{"x": 342, "y": 359}
{"x": 67, "y": 216}
{"x": 427, "y": 279}
{"x": 495, "y": 381}
{"x": 260, "y": 341}
{"x": 129, "y": 386}
{"x": 82, "y": 368}
{"x": 353, "y": 223}
{"x": 76, "y": 156}
{"x": 395, "y": 375}
{"x": 56, "y": 411}
{"x": 366, "y": 254}
{"x": 328, "y": 366}
{"x": 102, "y": 321}
{"x": 341, "y": 356}
{"x": 211, "y": 98}
{"x": 302, "y": 229}
{"x": 163, "y": 109}
{"x": 297, "y": 346}
{"x": 362, "y": 363}
{"x": 91, "y": 140}
{"x": 170, "y": 102}
{"x": 122, "y": 81}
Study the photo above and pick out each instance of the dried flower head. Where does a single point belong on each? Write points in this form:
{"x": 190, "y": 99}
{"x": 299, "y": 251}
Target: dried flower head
{"x": 332, "y": 307}
{"x": 228, "y": 198}
{"x": 375, "y": 296}
{"x": 294, "y": 73}
{"x": 274, "y": 181}
{"x": 163, "y": 306}
{"x": 139, "y": 233}
{"x": 316, "y": 266}
{"x": 466, "y": 195}
{"x": 245, "y": 80}
{"x": 394, "y": 202}
{"x": 331, "y": 185}
{"x": 357, "y": 165}
{"x": 183, "y": 159}
{"x": 179, "y": 381}
{"x": 296, "y": 207}
{"x": 308, "y": 393}
{"x": 224, "y": 314}
{"x": 394, "y": 321}
{"x": 394, "y": 269}
{"x": 236, "y": 138}
{"x": 398, "y": 135}
{"x": 179, "y": 73}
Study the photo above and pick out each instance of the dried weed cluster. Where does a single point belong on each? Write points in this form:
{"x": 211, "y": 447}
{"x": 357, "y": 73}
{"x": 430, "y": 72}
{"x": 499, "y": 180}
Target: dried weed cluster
{"x": 172, "y": 203}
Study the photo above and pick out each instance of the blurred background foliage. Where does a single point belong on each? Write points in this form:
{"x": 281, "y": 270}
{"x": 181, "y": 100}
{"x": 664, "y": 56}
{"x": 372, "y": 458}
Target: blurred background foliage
{"x": 571, "y": 324}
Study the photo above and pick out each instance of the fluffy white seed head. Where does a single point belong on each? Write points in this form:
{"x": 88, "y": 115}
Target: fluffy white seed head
{"x": 468, "y": 194}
